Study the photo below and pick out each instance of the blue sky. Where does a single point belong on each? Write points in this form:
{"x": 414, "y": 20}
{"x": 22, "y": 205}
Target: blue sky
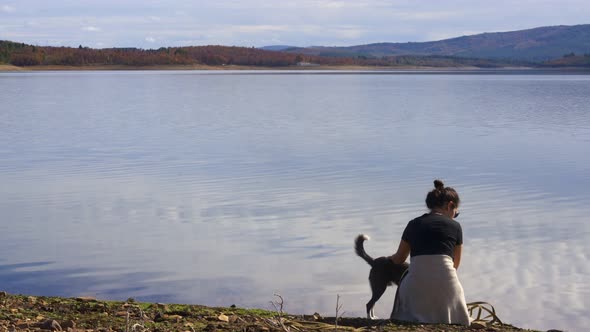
{"x": 154, "y": 23}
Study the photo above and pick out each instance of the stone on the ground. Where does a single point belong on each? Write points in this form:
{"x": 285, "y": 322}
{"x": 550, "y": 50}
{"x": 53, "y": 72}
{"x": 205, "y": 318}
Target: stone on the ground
{"x": 22, "y": 326}
{"x": 68, "y": 324}
{"x": 86, "y": 299}
{"x": 121, "y": 313}
{"x": 173, "y": 318}
{"x": 51, "y": 325}
{"x": 162, "y": 306}
{"x": 223, "y": 318}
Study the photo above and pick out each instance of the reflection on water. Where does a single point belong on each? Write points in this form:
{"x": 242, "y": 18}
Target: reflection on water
{"x": 225, "y": 189}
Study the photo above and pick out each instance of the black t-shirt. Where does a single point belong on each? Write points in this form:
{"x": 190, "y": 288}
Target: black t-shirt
{"x": 433, "y": 234}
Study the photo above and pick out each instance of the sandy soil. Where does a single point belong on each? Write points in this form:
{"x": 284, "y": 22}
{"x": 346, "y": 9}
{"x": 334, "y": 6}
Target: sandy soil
{"x": 10, "y": 68}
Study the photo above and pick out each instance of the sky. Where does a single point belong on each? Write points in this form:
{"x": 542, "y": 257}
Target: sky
{"x": 155, "y": 23}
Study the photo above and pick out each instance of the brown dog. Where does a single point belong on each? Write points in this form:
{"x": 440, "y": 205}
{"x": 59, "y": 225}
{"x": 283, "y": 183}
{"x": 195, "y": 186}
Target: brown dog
{"x": 384, "y": 272}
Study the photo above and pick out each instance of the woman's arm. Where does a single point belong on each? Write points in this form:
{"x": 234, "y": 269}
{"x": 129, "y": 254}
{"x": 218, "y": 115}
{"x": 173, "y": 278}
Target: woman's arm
{"x": 403, "y": 251}
{"x": 457, "y": 256}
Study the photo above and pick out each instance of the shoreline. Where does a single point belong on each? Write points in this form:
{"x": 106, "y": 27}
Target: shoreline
{"x": 12, "y": 68}
{"x": 38, "y": 313}
{"x": 7, "y": 67}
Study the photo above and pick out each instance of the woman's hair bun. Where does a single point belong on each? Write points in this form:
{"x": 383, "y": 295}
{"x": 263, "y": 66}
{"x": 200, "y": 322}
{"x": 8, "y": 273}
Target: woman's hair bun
{"x": 441, "y": 195}
{"x": 438, "y": 184}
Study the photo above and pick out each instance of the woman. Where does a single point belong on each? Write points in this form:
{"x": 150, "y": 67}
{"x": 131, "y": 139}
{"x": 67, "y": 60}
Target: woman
{"x": 431, "y": 291}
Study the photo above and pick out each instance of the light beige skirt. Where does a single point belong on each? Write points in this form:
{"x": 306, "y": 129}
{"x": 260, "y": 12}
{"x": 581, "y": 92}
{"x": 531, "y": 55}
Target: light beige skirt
{"x": 431, "y": 293}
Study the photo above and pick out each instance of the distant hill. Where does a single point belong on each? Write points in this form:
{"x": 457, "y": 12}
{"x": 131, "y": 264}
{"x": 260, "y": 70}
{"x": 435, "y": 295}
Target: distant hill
{"x": 276, "y": 47}
{"x": 23, "y": 55}
{"x": 547, "y": 47}
{"x": 538, "y": 45}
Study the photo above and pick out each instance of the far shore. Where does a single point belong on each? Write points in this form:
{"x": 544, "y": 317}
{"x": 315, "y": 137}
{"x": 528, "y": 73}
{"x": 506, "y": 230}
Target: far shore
{"x": 344, "y": 68}
{"x": 6, "y": 67}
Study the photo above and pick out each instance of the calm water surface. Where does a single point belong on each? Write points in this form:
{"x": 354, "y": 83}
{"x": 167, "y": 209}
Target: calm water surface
{"x": 224, "y": 188}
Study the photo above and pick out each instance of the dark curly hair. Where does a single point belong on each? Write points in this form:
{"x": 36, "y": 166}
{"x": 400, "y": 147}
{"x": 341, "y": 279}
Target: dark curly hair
{"x": 441, "y": 195}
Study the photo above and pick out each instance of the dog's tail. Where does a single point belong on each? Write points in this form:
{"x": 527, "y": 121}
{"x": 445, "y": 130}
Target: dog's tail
{"x": 360, "y": 249}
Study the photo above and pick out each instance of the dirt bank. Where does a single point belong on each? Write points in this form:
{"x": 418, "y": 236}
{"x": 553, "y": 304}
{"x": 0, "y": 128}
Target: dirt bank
{"x": 37, "y": 313}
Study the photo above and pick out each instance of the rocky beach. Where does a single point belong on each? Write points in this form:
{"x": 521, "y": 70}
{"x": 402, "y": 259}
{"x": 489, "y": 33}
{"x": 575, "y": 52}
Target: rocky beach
{"x": 42, "y": 313}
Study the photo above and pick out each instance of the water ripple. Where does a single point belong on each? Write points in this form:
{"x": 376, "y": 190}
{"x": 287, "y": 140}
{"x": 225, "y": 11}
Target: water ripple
{"x": 226, "y": 188}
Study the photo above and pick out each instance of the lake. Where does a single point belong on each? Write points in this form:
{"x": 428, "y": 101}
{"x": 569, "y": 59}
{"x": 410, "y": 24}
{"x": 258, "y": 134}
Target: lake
{"x": 223, "y": 188}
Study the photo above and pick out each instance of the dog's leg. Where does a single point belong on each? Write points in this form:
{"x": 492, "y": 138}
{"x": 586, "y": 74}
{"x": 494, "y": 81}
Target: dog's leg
{"x": 378, "y": 291}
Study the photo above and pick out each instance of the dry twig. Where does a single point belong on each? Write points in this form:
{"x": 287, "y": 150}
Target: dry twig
{"x": 338, "y": 314}
{"x": 278, "y": 305}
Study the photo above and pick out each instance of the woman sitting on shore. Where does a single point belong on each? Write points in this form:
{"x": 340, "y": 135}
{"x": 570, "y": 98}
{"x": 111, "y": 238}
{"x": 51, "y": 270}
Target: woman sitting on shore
{"x": 431, "y": 291}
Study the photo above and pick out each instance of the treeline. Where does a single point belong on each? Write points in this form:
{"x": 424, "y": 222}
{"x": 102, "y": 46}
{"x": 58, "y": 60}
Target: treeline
{"x": 28, "y": 55}
{"x": 570, "y": 60}
{"x": 19, "y": 54}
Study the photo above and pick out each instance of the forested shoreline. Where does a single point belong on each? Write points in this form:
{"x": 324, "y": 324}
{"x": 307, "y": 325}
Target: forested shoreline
{"x": 24, "y": 55}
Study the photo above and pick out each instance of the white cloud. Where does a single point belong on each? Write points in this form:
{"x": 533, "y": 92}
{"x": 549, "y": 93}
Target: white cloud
{"x": 428, "y": 15}
{"x": 150, "y": 39}
{"x": 91, "y": 28}
{"x": 339, "y": 4}
{"x": 348, "y": 32}
{"x": 259, "y": 22}
{"x": 258, "y": 28}
{"x": 7, "y": 9}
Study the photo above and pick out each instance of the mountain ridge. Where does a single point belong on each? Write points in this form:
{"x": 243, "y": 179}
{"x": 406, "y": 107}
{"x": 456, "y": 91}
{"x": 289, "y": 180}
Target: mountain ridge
{"x": 535, "y": 44}
{"x": 544, "y": 47}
